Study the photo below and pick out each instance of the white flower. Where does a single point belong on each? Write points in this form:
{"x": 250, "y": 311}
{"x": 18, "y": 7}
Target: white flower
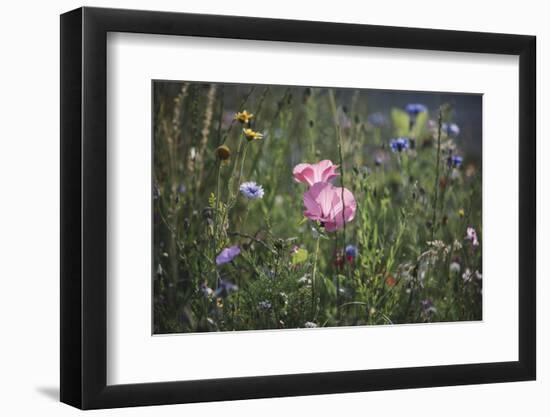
{"x": 454, "y": 267}
{"x": 304, "y": 280}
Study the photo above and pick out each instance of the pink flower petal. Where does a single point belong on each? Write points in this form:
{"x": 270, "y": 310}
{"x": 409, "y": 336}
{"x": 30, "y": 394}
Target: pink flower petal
{"x": 349, "y": 205}
{"x": 332, "y": 226}
{"x": 310, "y": 174}
{"x": 304, "y": 173}
{"x": 330, "y": 173}
{"x": 323, "y": 203}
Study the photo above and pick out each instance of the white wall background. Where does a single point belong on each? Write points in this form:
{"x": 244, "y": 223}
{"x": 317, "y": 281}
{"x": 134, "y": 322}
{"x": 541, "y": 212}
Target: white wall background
{"x": 29, "y": 225}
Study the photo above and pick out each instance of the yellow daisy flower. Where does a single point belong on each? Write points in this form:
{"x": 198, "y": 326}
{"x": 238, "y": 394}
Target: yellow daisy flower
{"x": 252, "y": 135}
{"x": 244, "y": 116}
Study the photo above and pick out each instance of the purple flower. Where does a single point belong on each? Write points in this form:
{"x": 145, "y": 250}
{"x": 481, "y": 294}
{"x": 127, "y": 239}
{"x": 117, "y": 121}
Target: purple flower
{"x": 225, "y": 288}
{"x": 451, "y": 129}
{"x": 454, "y": 161}
{"x": 251, "y": 190}
{"x": 414, "y": 109}
{"x": 471, "y": 235}
{"x": 227, "y": 255}
{"x": 399, "y": 144}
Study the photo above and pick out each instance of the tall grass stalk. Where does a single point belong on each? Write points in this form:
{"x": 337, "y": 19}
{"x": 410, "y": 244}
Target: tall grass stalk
{"x": 436, "y": 184}
{"x": 341, "y": 251}
{"x": 215, "y": 239}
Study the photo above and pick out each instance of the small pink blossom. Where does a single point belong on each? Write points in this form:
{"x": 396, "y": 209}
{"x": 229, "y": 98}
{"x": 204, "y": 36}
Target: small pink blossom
{"x": 310, "y": 174}
{"x": 323, "y": 203}
{"x": 471, "y": 235}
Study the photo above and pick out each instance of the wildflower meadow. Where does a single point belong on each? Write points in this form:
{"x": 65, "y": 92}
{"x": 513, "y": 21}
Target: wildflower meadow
{"x": 284, "y": 207}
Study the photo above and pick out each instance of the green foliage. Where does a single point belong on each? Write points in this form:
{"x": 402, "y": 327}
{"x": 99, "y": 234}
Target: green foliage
{"x": 400, "y": 120}
{"x": 298, "y": 257}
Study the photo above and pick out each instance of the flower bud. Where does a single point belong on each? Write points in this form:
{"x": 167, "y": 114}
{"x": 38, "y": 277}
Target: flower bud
{"x": 223, "y": 152}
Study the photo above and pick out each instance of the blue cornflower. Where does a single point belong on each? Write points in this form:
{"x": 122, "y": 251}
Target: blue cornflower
{"x": 225, "y": 288}
{"x": 251, "y": 190}
{"x": 377, "y": 119}
{"x": 227, "y": 255}
{"x": 351, "y": 252}
{"x": 399, "y": 144}
{"x": 264, "y": 305}
{"x": 454, "y": 161}
{"x": 415, "y": 108}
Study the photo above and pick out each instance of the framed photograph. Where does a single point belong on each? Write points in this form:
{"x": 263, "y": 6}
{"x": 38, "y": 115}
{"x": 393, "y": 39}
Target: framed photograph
{"x": 258, "y": 208}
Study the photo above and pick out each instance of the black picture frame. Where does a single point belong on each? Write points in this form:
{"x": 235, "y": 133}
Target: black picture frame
{"x": 84, "y": 207}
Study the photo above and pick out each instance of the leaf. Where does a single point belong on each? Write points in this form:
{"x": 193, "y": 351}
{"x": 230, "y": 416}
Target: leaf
{"x": 212, "y": 200}
{"x": 327, "y": 289}
{"x": 304, "y": 220}
{"x": 341, "y": 277}
{"x": 401, "y": 123}
{"x": 300, "y": 256}
{"x": 400, "y": 120}
{"x": 420, "y": 124}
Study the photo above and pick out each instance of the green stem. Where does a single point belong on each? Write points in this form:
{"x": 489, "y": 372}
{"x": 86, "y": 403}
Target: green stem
{"x": 217, "y": 207}
{"x": 336, "y": 274}
{"x": 242, "y": 164}
{"x": 233, "y": 169}
{"x": 342, "y": 171}
{"x": 247, "y": 209}
{"x": 436, "y": 189}
{"x": 337, "y": 295}
{"x": 232, "y": 197}
{"x": 313, "y": 303}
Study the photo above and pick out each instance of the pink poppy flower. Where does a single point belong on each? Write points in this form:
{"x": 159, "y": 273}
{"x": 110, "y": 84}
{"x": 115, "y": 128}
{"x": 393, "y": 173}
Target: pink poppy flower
{"x": 310, "y": 174}
{"x": 323, "y": 203}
